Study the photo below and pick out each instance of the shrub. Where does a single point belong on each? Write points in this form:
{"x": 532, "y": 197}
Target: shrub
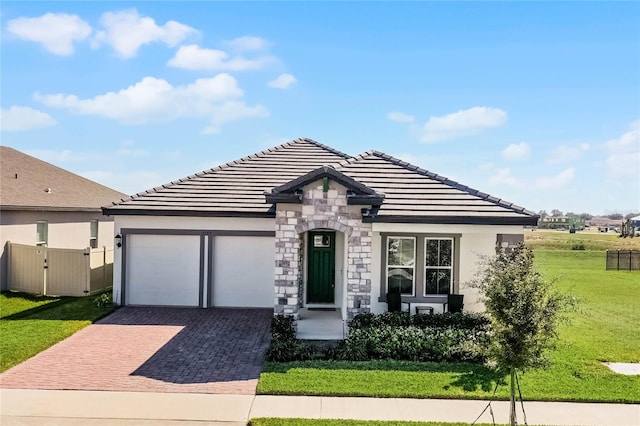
{"x": 289, "y": 350}
{"x": 578, "y": 246}
{"x": 400, "y": 336}
{"x": 284, "y": 345}
{"x": 282, "y": 328}
{"x": 103, "y": 301}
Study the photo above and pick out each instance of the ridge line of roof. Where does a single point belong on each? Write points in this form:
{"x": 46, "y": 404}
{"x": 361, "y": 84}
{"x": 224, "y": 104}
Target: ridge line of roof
{"x": 238, "y": 161}
{"x": 393, "y": 160}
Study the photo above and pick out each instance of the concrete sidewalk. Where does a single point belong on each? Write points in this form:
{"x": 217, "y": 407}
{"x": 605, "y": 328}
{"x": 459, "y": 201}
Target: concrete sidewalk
{"x": 71, "y": 408}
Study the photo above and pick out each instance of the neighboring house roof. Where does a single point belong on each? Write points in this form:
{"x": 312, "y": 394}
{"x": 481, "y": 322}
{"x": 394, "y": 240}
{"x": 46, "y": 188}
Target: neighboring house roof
{"x": 27, "y": 183}
{"x": 408, "y": 193}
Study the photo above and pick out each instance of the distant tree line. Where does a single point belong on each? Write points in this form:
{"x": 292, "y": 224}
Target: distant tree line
{"x": 559, "y": 220}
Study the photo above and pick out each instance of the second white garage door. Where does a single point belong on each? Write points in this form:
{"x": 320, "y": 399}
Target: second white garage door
{"x": 163, "y": 270}
{"x": 243, "y": 270}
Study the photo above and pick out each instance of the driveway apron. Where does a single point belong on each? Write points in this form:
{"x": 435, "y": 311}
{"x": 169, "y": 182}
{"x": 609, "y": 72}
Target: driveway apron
{"x": 155, "y": 349}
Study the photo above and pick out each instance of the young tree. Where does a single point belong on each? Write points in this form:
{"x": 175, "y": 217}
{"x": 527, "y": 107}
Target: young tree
{"x": 525, "y": 311}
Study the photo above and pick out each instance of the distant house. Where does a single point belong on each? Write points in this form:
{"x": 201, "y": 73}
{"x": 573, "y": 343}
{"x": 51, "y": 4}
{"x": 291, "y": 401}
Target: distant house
{"x": 305, "y": 226}
{"x": 41, "y": 204}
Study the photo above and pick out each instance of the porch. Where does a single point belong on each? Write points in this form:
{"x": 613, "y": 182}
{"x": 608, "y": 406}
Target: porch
{"x": 321, "y": 324}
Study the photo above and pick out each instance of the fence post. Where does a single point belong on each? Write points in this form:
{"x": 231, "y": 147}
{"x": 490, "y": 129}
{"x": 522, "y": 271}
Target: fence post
{"x": 8, "y": 283}
{"x": 104, "y": 268}
{"x": 630, "y": 259}
{"x": 45, "y": 270}
{"x": 87, "y": 269}
{"x": 618, "y": 268}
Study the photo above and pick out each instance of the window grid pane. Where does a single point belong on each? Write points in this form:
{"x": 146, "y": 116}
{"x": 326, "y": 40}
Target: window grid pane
{"x": 401, "y": 264}
{"x": 438, "y": 265}
{"x": 41, "y": 233}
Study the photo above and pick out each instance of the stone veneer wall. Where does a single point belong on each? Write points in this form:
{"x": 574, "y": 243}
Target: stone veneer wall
{"x": 321, "y": 210}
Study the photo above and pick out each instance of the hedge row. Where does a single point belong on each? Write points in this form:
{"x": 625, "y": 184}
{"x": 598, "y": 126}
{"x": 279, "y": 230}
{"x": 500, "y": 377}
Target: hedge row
{"x": 458, "y": 337}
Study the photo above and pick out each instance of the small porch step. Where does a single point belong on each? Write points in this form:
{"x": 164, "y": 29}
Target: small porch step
{"x": 320, "y": 325}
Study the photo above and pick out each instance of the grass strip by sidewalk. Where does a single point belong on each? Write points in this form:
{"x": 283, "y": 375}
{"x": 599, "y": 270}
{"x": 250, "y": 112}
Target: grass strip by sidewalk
{"x": 603, "y": 329}
{"x": 31, "y": 324}
{"x": 269, "y": 421}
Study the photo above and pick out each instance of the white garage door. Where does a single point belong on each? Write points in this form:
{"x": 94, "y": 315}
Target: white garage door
{"x": 243, "y": 270}
{"x": 163, "y": 270}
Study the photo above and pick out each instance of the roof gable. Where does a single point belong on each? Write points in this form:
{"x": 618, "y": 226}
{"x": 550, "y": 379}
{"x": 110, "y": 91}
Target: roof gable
{"x": 291, "y": 192}
{"x": 29, "y": 183}
{"x": 236, "y": 188}
{"x": 414, "y": 194}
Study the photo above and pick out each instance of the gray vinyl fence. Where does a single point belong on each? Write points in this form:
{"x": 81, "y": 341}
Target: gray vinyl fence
{"x": 60, "y": 272}
{"x": 623, "y": 260}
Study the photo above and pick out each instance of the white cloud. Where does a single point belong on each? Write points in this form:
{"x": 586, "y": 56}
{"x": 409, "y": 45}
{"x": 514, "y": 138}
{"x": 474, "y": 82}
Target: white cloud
{"x": 55, "y": 31}
{"x": 126, "y": 31}
{"x": 561, "y": 179}
{"x": 17, "y": 119}
{"x": 565, "y": 153}
{"x": 218, "y": 99}
{"x": 194, "y": 57}
{"x": 504, "y": 177}
{"x": 283, "y": 81}
{"x": 462, "y": 123}
{"x": 247, "y": 43}
{"x": 400, "y": 117}
{"x": 516, "y": 151}
{"x": 623, "y": 159}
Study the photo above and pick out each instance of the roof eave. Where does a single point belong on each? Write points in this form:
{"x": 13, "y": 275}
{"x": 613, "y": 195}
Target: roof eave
{"x": 49, "y": 208}
{"x": 197, "y": 213}
{"x": 454, "y": 220}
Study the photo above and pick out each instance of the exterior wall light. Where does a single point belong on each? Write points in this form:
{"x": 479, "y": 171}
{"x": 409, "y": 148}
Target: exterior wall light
{"x": 118, "y": 240}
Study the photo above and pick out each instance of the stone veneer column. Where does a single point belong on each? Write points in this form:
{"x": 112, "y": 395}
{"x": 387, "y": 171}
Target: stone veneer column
{"x": 321, "y": 210}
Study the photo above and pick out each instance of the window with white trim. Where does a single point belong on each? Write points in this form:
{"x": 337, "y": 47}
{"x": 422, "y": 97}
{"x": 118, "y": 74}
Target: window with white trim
{"x": 93, "y": 234}
{"x": 42, "y": 233}
{"x": 438, "y": 266}
{"x": 401, "y": 261}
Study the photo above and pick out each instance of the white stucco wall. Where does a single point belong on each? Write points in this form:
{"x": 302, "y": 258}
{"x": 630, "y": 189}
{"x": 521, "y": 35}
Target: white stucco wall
{"x": 475, "y": 240}
{"x": 65, "y": 230}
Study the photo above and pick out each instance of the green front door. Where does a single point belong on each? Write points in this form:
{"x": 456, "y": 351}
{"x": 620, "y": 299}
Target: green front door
{"x": 321, "y": 267}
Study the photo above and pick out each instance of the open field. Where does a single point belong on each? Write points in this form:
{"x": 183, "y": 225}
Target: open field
{"x": 603, "y": 329}
{"x": 591, "y": 240}
{"x": 30, "y": 324}
{"x": 342, "y": 422}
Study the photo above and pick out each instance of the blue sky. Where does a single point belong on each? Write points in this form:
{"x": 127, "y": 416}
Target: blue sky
{"x": 536, "y": 103}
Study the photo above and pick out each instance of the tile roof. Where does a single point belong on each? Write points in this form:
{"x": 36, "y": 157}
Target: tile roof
{"x": 27, "y": 183}
{"x": 411, "y": 194}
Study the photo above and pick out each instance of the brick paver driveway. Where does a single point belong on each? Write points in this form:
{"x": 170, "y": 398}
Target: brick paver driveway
{"x": 155, "y": 350}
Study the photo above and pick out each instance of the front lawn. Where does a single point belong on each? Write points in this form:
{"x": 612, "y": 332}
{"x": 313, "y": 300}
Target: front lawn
{"x": 603, "y": 329}
{"x": 30, "y": 324}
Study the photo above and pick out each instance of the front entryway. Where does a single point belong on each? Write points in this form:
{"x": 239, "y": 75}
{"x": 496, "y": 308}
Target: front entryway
{"x": 321, "y": 267}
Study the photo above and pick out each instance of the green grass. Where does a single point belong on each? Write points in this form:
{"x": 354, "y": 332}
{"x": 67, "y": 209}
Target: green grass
{"x": 268, "y": 421}
{"x": 12, "y": 303}
{"x": 30, "y": 324}
{"x": 603, "y": 329}
{"x": 591, "y": 240}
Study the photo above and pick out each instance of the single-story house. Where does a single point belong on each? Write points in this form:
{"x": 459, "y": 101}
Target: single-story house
{"x": 303, "y": 225}
{"x": 41, "y": 204}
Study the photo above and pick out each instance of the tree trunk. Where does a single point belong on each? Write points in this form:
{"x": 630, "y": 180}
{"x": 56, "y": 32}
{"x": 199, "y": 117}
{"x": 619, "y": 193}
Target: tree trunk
{"x": 513, "y": 418}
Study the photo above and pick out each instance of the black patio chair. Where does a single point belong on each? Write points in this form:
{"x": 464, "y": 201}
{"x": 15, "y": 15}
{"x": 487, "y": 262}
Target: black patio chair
{"x": 455, "y": 302}
{"x": 394, "y": 301}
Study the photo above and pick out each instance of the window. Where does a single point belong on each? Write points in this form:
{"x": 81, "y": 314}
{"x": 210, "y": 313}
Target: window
{"x": 93, "y": 237}
{"x": 401, "y": 256}
{"x": 438, "y": 264}
{"x": 42, "y": 234}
